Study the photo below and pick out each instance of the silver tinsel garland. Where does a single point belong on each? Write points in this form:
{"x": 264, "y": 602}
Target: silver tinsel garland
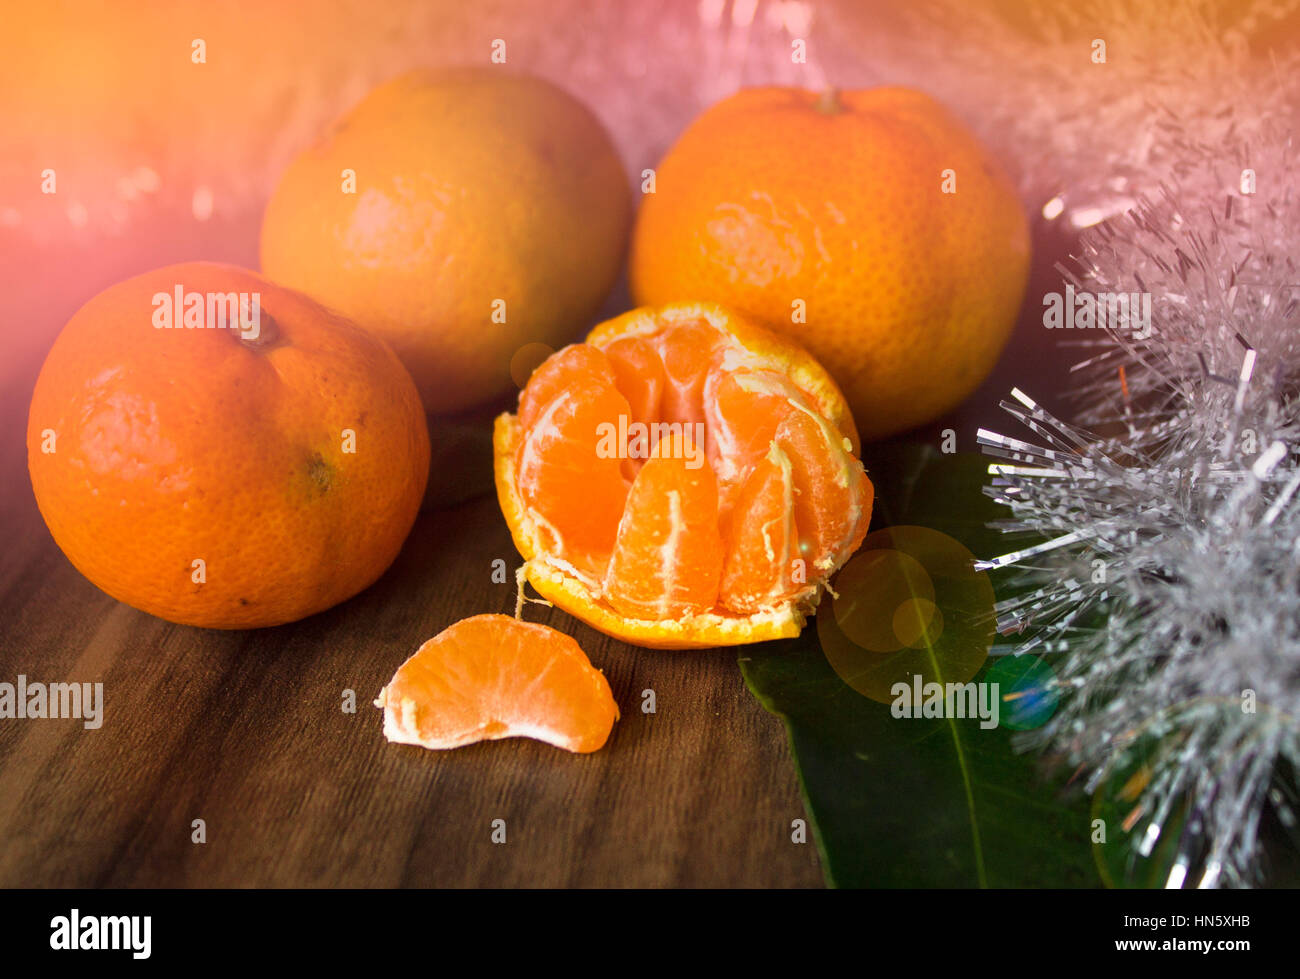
{"x": 1164, "y": 583}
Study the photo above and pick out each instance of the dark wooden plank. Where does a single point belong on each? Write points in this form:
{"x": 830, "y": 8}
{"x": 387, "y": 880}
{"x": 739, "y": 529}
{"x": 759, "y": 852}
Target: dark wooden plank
{"x": 245, "y": 731}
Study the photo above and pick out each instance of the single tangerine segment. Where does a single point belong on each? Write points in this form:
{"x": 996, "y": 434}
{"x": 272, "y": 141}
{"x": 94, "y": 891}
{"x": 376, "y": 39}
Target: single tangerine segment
{"x": 744, "y": 410}
{"x": 668, "y": 558}
{"x": 730, "y": 458}
{"x": 491, "y": 676}
{"x": 688, "y": 352}
{"x": 831, "y": 491}
{"x": 760, "y": 569}
{"x": 576, "y": 365}
{"x": 576, "y": 491}
{"x": 638, "y": 375}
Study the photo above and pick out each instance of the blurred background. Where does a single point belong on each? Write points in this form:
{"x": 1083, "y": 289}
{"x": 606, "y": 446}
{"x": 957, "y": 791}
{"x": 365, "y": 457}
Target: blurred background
{"x": 166, "y": 123}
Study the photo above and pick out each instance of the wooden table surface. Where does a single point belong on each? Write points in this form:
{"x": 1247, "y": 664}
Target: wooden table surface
{"x": 246, "y": 731}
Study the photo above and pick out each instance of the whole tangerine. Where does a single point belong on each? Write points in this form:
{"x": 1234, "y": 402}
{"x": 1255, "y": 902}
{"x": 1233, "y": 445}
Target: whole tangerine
{"x": 460, "y": 214}
{"x": 871, "y": 226}
{"x": 217, "y": 475}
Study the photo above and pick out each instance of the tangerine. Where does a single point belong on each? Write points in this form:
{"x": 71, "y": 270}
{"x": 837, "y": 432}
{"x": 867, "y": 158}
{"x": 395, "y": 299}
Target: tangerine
{"x": 870, "y": 225}
{"x": 489, "y": 211}
{"x": 684, "y": 478}
{"x": 219, "y": 477}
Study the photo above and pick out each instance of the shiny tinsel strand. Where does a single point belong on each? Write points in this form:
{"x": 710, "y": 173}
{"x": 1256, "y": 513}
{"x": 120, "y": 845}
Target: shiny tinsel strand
{"x": 1162, "y": 570}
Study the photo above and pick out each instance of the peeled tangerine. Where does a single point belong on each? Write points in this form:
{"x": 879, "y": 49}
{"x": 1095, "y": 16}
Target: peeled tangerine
{"x": 684, "y": 478}
{"x": 490, "y": 677}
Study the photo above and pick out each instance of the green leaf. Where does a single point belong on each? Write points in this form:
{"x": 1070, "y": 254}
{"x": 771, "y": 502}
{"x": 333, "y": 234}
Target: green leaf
{"x": 911, "y": 801}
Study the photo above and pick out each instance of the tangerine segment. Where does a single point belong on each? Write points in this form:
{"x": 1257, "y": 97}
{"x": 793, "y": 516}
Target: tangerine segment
{"x": 668, "y": 558}
{"x": 744, "y": 409}
{"x": 760, "y": 569}
{"x": 574, "y": 487}
{"x": 491, "y": 676}
{"x": 638, "y": 375}
{"x": 833, "y": 504}
{"x": 688, "y": 353}
{"x": 577, "y": 365}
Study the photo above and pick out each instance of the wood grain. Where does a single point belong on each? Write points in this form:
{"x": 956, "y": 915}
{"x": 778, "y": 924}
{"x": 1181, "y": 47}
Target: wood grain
{"x": 246, "y": 731}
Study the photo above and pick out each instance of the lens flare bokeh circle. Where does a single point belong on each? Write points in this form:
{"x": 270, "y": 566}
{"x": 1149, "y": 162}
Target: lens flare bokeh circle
{"x": 909, "y": 603}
